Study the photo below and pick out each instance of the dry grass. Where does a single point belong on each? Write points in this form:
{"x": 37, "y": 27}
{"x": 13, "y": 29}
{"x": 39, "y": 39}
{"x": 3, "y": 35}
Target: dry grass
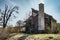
{"x": 36, "y": 36}
{"x": 16, "y": 36}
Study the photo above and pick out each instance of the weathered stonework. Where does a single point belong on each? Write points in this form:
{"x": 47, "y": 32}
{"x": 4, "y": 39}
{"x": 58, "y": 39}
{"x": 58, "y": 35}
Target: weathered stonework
{"x": 40, "y": 22}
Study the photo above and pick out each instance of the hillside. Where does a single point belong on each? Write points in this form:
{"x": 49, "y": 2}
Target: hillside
{"x": 35, "y": 37}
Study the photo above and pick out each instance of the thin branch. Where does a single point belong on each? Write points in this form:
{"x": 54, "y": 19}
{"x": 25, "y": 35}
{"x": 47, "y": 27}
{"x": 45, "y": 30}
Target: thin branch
{"x": 12, "y": 10}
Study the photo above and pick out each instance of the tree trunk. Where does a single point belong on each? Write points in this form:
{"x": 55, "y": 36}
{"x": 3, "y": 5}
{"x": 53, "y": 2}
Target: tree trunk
{"x": 4, "y": 25}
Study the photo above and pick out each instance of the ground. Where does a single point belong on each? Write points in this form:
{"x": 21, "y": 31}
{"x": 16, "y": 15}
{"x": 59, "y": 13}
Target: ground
{"x": 21, "y": 36}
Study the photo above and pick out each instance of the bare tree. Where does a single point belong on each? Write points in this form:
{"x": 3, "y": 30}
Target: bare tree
{"x": 7, "y": 13}
{"x": 19, "y": 22}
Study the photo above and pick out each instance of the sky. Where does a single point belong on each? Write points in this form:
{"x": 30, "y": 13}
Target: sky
{"x": 51, "y": 7}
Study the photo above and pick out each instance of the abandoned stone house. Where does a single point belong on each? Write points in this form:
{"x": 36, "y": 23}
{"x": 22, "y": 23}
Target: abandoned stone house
{"x": 40, "y": 22}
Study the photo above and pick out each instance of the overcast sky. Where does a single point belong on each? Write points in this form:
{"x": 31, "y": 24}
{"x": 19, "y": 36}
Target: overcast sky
{"x": 52, "y": 7}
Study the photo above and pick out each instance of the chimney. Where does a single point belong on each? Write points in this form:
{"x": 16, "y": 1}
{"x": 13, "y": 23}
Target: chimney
{"x": 41, "y": 7}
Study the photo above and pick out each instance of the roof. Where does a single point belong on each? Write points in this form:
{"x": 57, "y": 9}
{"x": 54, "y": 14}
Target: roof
{"x": 45, "y": 15}
{"x": 33, "y": 10}
{"x": 49, "y": 16}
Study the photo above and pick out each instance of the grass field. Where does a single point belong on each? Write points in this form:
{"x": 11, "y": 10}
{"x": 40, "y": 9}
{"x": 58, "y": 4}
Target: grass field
{"x": 36, "y": 36}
